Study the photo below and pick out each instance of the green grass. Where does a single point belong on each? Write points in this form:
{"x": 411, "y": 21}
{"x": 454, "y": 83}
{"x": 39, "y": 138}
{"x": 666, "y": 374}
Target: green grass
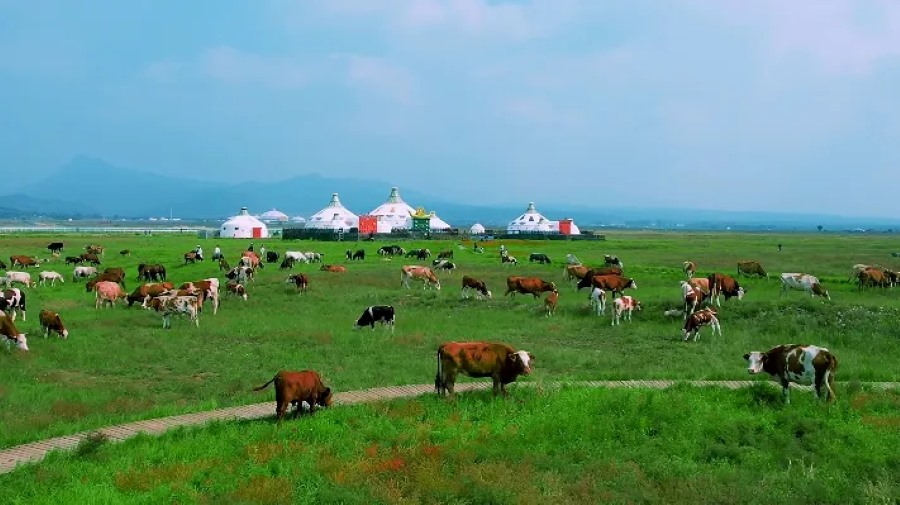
{"x": 120, "y": 365}
{"x": 682, "y": 445}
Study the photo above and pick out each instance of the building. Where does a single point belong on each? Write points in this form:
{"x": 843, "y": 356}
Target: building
{"x": 243, "y": 225}
{"x": 333, "y": 217}
{"x": 393, "y": 213}
{"x": 533, "y": 222}
{"x": 273, "y": 216}
{"x": 477, "y": 229}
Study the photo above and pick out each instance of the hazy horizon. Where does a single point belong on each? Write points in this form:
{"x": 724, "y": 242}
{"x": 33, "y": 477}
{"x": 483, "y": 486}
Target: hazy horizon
{"x": 707, "y": 104}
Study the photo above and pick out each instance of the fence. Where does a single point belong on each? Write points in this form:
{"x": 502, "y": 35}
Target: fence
{"x": 101, "y": 230}
{"x": 353, "y": 235}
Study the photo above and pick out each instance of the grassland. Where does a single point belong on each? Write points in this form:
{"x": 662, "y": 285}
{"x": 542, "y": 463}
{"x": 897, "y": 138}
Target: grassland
{"x": 120, "y": 365}
{"x": 683, "y": 445}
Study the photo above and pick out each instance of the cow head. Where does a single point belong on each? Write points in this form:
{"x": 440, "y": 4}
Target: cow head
{"x": 325, "y": 398}
{"x": 21, "y": 342}
{"x": 740, "y": 293}
{"x": 817, "y": 289}
{"x": 522, "y": 359}
{"x": 487, "y": 293}
{"x": 755, "y": 361}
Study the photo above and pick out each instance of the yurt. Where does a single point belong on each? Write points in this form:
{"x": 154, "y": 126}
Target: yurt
{"x": 393, "y": 213}
{"x": 573, "y": 228}
{"x": 243, "y": 225}
{"x": 529, "y": 222}
{"x": 273, "y": 216}
{"x": 298, "y": 221}
{"x": 438, "y": 223}
{"x": 333, "y": 217}
{"x": 477, "y": 229}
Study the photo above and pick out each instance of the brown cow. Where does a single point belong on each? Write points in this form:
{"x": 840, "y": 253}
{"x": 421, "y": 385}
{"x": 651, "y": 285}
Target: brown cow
{"x": 251, "y": 259}
{"x": 300, "y": 280}
{"x": 12, "y": 334}
{"x": 409, "y": 272}
{"x": 701, "y": 283}
{"x": 116, "y": 270}
{"x": 296, "y": 388}
{"x": 190, "y": 257}
{"x": 801, "y": 364}
{"x": 528, "y": 285}
{"x": 575, "y": 272}
{"x": 24, "y": 261}
{"x": 479, "y": 286}
{"x": 551, "y": 301}
{"x": 208, "y": 287}
{"x": 692, "y": 297}
{"x": 94, "y": 249}
{"x": 872, "y": 277}
{"x": 91, "y": 258}
{"x": 587, "y": 280}
{"x": 721, "y": 284}
{"x": 338, "y": 269}
{"x": 613, "y": 283}
{"x": 699, "y": 319}
{"x": 106, "y": 276}
{"x": 500, "y": 362}
{"x": 148, "y": 291}
{"x": 749, "y": 268}
{"x": 151, "y": 272}
{"x": 236, "y": 289}
{"x": 50, "y": 321}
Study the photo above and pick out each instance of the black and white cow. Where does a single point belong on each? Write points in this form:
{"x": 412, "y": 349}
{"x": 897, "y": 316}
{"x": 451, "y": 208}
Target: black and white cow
{"x": 376, "y": 313}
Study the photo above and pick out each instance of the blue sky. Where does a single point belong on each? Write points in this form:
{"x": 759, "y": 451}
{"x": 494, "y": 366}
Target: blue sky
{"x": 717, "y": 104}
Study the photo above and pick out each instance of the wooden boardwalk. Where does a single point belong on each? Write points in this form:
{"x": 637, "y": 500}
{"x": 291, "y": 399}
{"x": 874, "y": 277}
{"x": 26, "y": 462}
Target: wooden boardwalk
{"x": 35, "y": 451}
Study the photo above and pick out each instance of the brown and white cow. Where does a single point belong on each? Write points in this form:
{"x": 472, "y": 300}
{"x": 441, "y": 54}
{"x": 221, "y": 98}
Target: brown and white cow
{"x": 108, "y": 292}
{"x": 528, "y": 285}
{"x": 23, "y": 261}
{"x": 502, "y": 363}
{"x": 50, "y": 321}
{"x": 236, "y": 289}
{"x": 176, "y": 305}
{"x": 701, "y": 283}
{"x": 689, "y": 268}
{"x": 551, "y": 301}
{"x": 294, "y": 388}
{"x": 873, "y": 277}
{"x": 408, "y": 272}
{"x": 146, "y": 292}
{"x": 13, "y": 300}
{"x": 624, "y": 305}
{"x": 721, "y": 284}
{"x": 209, "y": 288}
{"x": 299, "y": 280}
{"x": 251, "y": 259}
{"x": 337, "y": 269}
{"x": 471, "y": 283}
{"x": 803, "y": 282}
{"x": 8, "y": 329}
{"x": 699, "y": 319}
{"x": 800, "y": 364}
{"x": 750, "y": 268}
{"x": 692, "y": 298}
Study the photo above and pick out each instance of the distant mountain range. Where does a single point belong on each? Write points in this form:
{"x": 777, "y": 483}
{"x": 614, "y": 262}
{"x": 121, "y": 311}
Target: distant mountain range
{"x": 90, "y": 187}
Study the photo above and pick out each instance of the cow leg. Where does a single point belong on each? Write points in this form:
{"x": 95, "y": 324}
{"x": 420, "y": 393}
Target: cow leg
{"x": 786, "y": 391}
{"x": 280, "y": 409}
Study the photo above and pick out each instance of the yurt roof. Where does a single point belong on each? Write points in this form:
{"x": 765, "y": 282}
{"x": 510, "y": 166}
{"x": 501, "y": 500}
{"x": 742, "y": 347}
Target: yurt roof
{"x": 394, "y": 207}
{"x": 531, "y": 219}
{"x": 298, "y": 219}
{"x": 437, "y": 223}
{"x": 334, "y": 211}
{"x": 243, "y": 219}
{"x": 274, "y": 215}
{"x": 477, "y": 228}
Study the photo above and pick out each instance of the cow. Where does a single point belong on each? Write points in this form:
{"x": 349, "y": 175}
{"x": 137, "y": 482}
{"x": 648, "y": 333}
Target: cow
{"x": 337, "y": 269}
{"x": 294, "y": 388}
{"x": 800, "y": 364}
{"x": 575, "y": 272}
{"x": 94, "y": 249}
{"x": 151, "y": 272}
{"x": 692, "y": 298}
{"x": 314, "y": 257}
{"x": 55, "y": 247}
{"x": 383, "y": 314}
{"x": 539, "y": 257}
{"x": 223, "y": 265}
{"x": 12, "y": 301}
{"x": 83, "y": 272}
{"x": 750, "y": 268}
{"x": 250, "y": 259}
{"x": 872, "y": 277}
{"x": 689, "y": 268}
{"x": 615, "y": 284}
{"x": 804, "y": 282}
{"x": 502, "y": 363}
{"x": 360, "y": 254}
{"x": 446, "y": 254}
{"x": 423, "y": 254}
{"x": 587, "y": 280}
{"x": 104, "y": 277}
{"x": 240, "y": 274}
{"x": 2, "y": 265}
{"x": 408, "y": 272}
{"x": 471, "y": 283}
{"x": 191, "y": 257}
{"x": 300, "y": 280}
{"x": 176, "y": 305}
{"x": 12, "y": 334}
{"x": 626, "y": 305}
{"x": 91, "y": 258}
{"x": 272, "y": 257}
{"x": 701, "y": 283}
{"x": 551, "y": 301}
{"x": 571, "y": 259}
{"x": 857, "y": 268}
{"x": 598, "y": 300}
{"x": 721, "y": 284}
{"x": 125, "y": 252}
{"x": 506, "y": 259}
{"x": 236, "y": 289}
{"x": 108, "y": 292}
{"x": 209, "y": 288}
{"x": 50, "y": 276}
{"x": 146, "y": 292}
{"x": 445, "y": 265}
{"x": 23, "y": 261}
{"x": 287, "y": 263}
{"x": 391, "y": 250}
{"x": 699, "y": 319}
{"x": 116, "y": 270}
{"x": 50, "y": 321}
{"x": 528, "y": 285}
{"x": 74, "y": 260}
{"x": 23, "y": 278}
{"x": 296, "y": 256}
{"x": 612, "y": 261}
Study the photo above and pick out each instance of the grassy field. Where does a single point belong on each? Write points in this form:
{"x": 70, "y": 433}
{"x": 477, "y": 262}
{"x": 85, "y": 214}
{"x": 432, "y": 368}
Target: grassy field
{"x": 683, "y": 445}
{"x": 120, "y": 365}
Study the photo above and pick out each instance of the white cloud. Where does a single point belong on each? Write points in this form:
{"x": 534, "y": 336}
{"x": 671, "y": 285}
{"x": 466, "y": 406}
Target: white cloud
{"x": 234, "y": 66}
{"x": 383, "y": 78}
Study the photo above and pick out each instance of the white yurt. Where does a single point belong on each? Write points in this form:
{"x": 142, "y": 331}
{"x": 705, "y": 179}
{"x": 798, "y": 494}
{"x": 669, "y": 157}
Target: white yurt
{"x": 477, "y": 229}
{"x": 530, "y": 222}
{"x": 554, "y": 228}
{"x": 243, "y": 225}
{"x": 333, "y": 217}
{"x": 273, "y": 216}
{"x": 393, "y": 213}
{"x": 437, "y": 223}
{"x": 299, "y": 221}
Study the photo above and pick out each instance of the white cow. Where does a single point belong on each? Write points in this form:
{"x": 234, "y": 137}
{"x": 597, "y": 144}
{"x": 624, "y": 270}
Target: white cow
{"x": 83, "y": 272}
{"x": 20, "y": 277}
{"x": 572, "y": 260}
{"x": 50, "y": 276}
{"x": 598, "y": 301}
{"x": 803, "y": 282}
{"x": 626, "y": 305}
{"x": 296, "y": 256}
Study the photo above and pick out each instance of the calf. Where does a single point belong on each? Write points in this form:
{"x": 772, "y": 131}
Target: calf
{"x": 125, "y": 252}
{"x": 692, "y": 298}
{"x": 50, "y": 276}
{"x": 50, "y": 321}
{"x": 300, "y": 280}
{"x": 528, "y": 285}
{"x": 749, "y": 268}
{"x": 287, "y": 263}
{"x": 551, "y": 301}
{"x": 502, "y": 363}
{"x": 626, "y": 305}
{"x": 294, "y": 388}
{"x": 13, "y": 300}
{"x": 358, "y": 255}
{"x": 408, "y": 272}
{"x": 598, "y": 300}
{"x": 471, "y": 283}
{"x": 236, "y": 289}
{"x": 8, "y": 329}
{"x": 803, "y": 282}
{"x": 689, "y": 268}
{"x": 223, "y": 265}
{"x": 800, "y": 364}
{"x": 699, "y": 319}
{"x": 337, "y": 269}
{"x": 446, "y": 254}
{"x": 375, "y": 314}
{"x": 508, "y": 260}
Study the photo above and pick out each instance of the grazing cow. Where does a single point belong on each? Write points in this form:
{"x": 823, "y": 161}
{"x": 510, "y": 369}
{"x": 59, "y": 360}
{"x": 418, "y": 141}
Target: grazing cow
{"x": 296, "y": 256}
{"x": 125, "y": 252}
{"x": 287, "y": 263}
{"x": 391, "y": 250}
{"x": 176, "y": 305}
{"x": 108, "y": 292}
{"x": 873, "y": 277}
{"x": 615, "y": 284}
{"x": 240, "y": 274}
{"x": 551, "y": 301}
{"x": 91, "y": 258}
{"x": 749, "y": 268}
{"x": 447, "y": 266}
{"x": 857, "y": 268}
{"x": 314, "y": 257}
{"x": 147, "y": 292}
{"x": 427, "y": 276}
{"x": 699, "y": 319}
{"x": 83, "y": 273}
{"x": 626, "y": 305}
{"x": 104, "y": 277}
{"x": 446, "y": 254}
{"x": 337, "y": 269}
{"x": 360, "y": 254}
{"x": 23, "y": 261}
{"x": 689, "y": 268}
{"x": 692, "y": 297}
{"x": 528, "y": 285}
{"x": 116, "y": 270}
{"x": 94, "y": 249}
{"x": 55, "y": 247}
{"x": 74, "y": 260}
{"x": 701, "y": 283}
{"x": 250, "y": 259}
{"x": 587, "y": 280}
{"x": 23, "y": 278}
{"x": 236, "y": 289}
{"x": 294, "y": 388}
{"x": 151, "y": 272}
{"x": 272, "y": 257}
{"x": 208, "y": 288}
{"x": 50, "y": 321}
{"x": 612, "y": 261}
{"x": 383, "y": 314}
{"x": 803, "y": 282}
{"x": 598, "y": 301}
{"x": 500, "y": 362}
{"x": 423, "y": 254}
{"x": 300, "y": 280}
{"x": 800, "y": 364}
{"x": 575, "y": 272}
{"x": 12, "y": 334}
{"x": 892, "y": 277}
{"x": 223, "y": 265}
{"x": 191, "y": 257}
{"x": 471, "y": 283}
{"x": 571, "y": 259}
{"x": 50, "y": 276}
{"x": 539, "y": 257}
{"x": 721, "y": 284}
{"x": 506, "y": 259}
{"x": 12, "y": 300}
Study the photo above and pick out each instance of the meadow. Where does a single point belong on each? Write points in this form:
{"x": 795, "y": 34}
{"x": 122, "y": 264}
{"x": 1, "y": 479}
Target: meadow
{"x": 120, "y": 365}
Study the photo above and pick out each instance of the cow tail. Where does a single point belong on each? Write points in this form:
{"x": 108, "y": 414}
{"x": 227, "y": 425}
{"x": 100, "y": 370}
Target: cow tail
{"x": 22, "y": 300}
{"x": 438, "y": 378}
{"x": 264, "y": 386}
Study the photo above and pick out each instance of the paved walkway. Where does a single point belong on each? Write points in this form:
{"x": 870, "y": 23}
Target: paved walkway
{"x": 35, "y": 451}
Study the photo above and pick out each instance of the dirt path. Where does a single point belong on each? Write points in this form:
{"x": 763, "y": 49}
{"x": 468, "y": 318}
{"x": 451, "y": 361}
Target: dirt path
{"x": 35, "y": 451}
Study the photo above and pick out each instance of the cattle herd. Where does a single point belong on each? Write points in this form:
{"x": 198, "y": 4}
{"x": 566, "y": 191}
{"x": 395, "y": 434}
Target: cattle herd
{"x": 701, "y": 302}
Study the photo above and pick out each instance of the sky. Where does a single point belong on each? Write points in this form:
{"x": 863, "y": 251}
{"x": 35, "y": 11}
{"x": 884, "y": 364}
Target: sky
{"x": 768, "y": 105}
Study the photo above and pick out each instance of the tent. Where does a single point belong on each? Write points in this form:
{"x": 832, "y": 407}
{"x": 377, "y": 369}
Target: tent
{"x": 333, "y": 217}
{"x": 243, "y": 225}
{"x": 273, "y": 216}
{"x": 477, "y": 229}
{"x": 530, "y": 222}
{"x": 393, "y": 213}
